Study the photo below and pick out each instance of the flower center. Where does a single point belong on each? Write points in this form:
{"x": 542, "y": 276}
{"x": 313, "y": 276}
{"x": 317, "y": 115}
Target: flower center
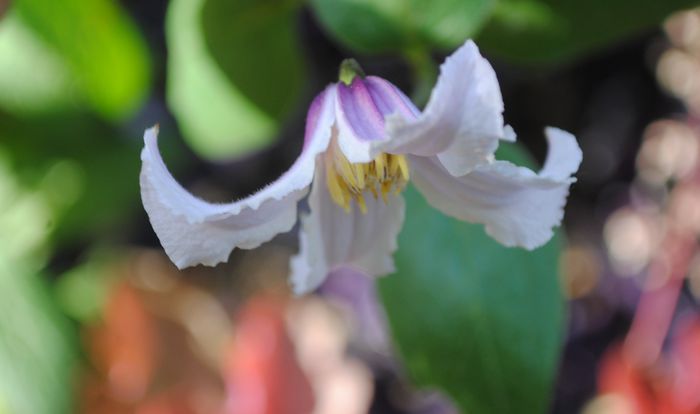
{"x": 347, "y": 181}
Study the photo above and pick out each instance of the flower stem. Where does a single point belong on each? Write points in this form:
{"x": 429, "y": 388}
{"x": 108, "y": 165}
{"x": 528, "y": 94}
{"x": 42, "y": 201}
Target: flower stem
{"x": 424, "y": 74}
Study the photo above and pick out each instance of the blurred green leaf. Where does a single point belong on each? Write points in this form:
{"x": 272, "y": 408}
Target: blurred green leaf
{"x": 37, "y": 353}
{"x": 545, "y": 31}
{"x": 23, "y": 218}
{"x": 219, "y": 117}
{"x": 101, "y": 45}
{"x": 36, "y": 343}
{"x": 380, "y": 26}
{"x": 85, "y": 173}
{"x": 33, "y": 77}
{"x": 471, "y": 317}
{"x": 83, "y": 290}
{"x": 254, "y": 43}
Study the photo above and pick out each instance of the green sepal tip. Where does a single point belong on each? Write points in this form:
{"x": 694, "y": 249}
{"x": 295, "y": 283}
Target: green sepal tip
{"x": 349, "y": 69}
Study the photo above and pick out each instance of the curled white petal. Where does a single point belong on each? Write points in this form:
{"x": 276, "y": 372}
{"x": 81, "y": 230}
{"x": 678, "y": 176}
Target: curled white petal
{"x": 509, "y": 134}
{"x": 463, "y": 120}
{"x": 193, "y": 231}
{"x": 517, "y": 206}
{"x": 331, "y": 238}
{"x": 564, "y": 155}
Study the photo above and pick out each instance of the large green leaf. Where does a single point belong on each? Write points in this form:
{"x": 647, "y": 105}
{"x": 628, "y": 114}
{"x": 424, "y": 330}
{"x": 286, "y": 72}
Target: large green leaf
{"x": 255, "y": 44}
{"x": 540, "y": 31}
{"x": 101, "y": 45}
{"x": 475, "y": 319}
{"x": 392, "y": 25}
{"x": 233, "y": 71}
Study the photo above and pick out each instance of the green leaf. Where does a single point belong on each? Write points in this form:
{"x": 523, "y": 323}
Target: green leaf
{"x": 254, "y": 43}
{"x": 480, "y": 321}
{"x": 82, "y": 291}
{"x": 37, "y": 354}
{"x": 23, "y": 217}
{"x": 380, "y": 26}
{"x": 546, "y": 31}
{"x": 83, "y": 172}
{"x": 100, "y": 44}
{"x": 234, "y": 71}
{"x": 33, "y": 77}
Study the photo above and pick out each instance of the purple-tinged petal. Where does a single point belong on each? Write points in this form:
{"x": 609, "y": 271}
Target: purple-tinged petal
{"x": 193, "y": 231}
{"x": 358, "y": 120}
{"x": 389, "y": 99}
{"x": 463, "y": 120}
{"x": 331, "y": 238}
{"x": 356, "y": 293}
{"x": 318, "y": 116}
{"x": 361, "y": 109}
{"x": 517, "y": 206}
{"x": 432, "y": 402}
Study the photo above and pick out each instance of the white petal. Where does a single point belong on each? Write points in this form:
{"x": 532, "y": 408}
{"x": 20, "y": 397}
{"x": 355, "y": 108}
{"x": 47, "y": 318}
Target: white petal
{"x": 331, "y": 238}
{"x": 463, "y": 120}
{"x": 509, "y": 134}
{"x": 564, "y": 155}
{"x": 517, "y": 206}
{"x": 193, "y": 231}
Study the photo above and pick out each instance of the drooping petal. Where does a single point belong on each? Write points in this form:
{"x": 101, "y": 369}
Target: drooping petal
{"x": 509, "y": 134}
{"x": 564, "y": 155}
{"x": 330, "y": 237}
{"x": 517, "y": 206}
{"x": 357, "y": 295}
{"x": 193, "y": 231}
{"x": 361, "y": 108}
{"x": 463, "y": 120}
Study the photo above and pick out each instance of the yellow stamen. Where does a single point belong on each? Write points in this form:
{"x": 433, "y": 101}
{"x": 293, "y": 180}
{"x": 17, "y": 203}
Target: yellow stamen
{"x": 380, "y": 166}
{"x": 346, "y": 172}
{"x": 346, "y": 181}
{"x": 386, "y": 189}
{"x": 361, "y": 203}
{"x": 403, "y": 167}
{"x": 337, "y": 193}
{"x": 374, "y": 192}
{"x": 360, "y": 174}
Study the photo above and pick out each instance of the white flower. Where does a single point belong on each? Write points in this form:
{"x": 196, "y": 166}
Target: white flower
{"x": 364, "y": 139}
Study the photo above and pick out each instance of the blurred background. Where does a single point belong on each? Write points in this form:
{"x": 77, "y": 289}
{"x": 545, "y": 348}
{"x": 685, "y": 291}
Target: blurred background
{"x": 94, "y": 318}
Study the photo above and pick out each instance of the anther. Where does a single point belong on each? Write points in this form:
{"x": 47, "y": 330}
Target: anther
{"x": 386, "y": 174}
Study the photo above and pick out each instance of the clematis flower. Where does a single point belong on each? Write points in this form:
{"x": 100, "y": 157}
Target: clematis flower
{"x": 364, "y": 141}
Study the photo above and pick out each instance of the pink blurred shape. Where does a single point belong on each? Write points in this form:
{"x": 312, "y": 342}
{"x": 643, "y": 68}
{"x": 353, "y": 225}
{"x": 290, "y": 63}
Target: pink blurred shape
{"x": 261, "y": 371}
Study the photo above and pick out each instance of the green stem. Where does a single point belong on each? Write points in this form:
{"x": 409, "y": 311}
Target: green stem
{"x": 425, "y": 73}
